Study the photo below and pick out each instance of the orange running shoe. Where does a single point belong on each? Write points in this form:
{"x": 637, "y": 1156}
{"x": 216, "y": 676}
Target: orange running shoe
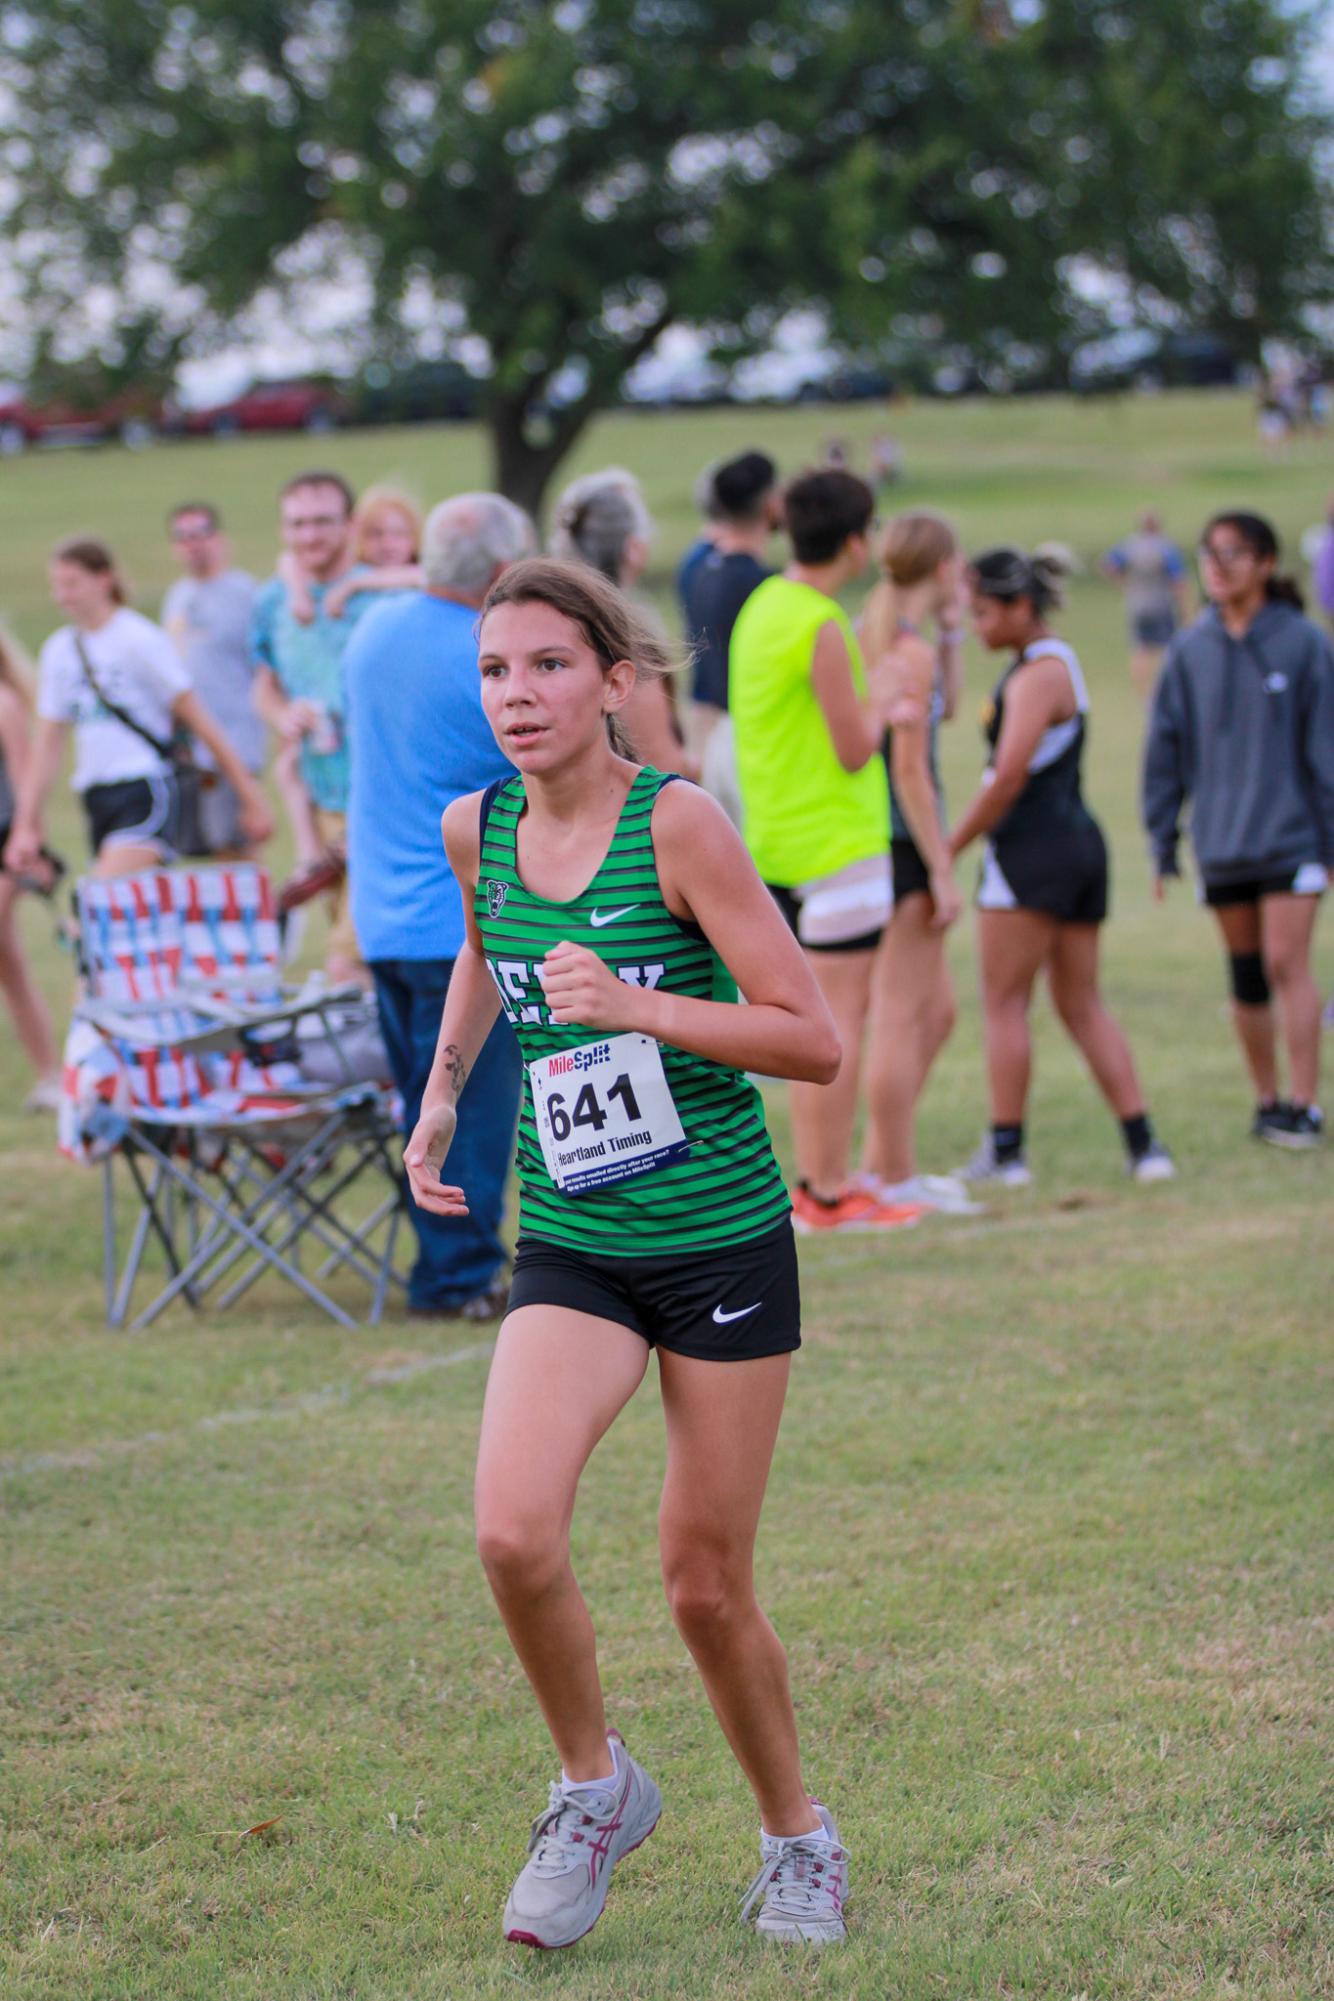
{"x": 854, "y": 1209}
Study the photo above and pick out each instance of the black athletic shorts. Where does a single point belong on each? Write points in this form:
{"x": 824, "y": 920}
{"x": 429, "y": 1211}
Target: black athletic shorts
{"x": 1064, "y": 876}
{"x": 731, "y": 1304}
{"x": 911, "y": 875}
{"x": 1311, "y": 879}
{"x": 131, "y": 811}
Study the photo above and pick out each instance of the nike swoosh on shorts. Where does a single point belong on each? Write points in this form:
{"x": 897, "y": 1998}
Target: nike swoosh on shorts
{"x": 597, "y": 918}
{"x": 740, "y": 1314}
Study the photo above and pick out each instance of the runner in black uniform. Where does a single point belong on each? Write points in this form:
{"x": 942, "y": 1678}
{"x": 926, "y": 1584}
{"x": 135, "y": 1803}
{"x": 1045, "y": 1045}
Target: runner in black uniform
{"x": 1043, "y": 891}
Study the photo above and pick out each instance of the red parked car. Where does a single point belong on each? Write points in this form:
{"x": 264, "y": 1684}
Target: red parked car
{"x": 269, "y": 406}
{"x": 131, "y": 418}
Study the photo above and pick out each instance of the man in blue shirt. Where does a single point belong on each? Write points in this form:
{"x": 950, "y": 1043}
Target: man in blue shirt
{"x": 419, "y": 740}
{"x": 1153, "y": 574}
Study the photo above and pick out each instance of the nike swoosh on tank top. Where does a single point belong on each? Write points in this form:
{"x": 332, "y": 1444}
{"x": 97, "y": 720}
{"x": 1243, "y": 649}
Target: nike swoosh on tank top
{"x": 728, "y": 1187}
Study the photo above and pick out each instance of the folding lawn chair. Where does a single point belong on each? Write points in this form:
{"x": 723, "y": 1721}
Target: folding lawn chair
{"x": 233, "y": 1102}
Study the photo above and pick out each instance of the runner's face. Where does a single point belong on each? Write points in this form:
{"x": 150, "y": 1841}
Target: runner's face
{"x": 81, "y": 594}
{"x": 389, "y": 540}
{"x": 543, "y": 688}
{"x": 1001, "y": 622}
{"x": 315, "y": 527}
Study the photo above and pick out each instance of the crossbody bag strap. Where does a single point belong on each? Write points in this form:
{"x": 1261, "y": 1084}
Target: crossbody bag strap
{"x": 113, "y": 709}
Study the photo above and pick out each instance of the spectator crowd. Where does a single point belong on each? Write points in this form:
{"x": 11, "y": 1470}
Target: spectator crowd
{"x": 350, "y": 677}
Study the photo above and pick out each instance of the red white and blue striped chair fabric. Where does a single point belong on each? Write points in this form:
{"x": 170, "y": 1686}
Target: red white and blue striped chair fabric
{"x": 182, "y": 1058}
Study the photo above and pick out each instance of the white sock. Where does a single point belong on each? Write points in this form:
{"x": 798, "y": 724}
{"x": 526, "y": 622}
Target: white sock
{"x": 820, "y": 1833}
{"x": 569, "y": 1785}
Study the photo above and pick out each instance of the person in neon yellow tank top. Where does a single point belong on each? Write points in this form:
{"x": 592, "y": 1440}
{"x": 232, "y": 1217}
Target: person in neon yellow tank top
{"x": 815, "y": 810}
{"x": 613, "y": 914}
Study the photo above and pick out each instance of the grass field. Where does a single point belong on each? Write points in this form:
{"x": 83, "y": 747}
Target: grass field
{"x": 1048, "y": 1538}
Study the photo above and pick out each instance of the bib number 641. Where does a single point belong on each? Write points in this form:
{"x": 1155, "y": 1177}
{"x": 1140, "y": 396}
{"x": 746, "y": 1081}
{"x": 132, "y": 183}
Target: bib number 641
{"x": 605, "y": 1112}
{"x": 588, "y": 1109}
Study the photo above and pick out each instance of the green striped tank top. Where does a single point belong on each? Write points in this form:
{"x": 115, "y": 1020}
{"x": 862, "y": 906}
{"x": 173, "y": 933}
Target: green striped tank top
{"x": 727, "y": 1188}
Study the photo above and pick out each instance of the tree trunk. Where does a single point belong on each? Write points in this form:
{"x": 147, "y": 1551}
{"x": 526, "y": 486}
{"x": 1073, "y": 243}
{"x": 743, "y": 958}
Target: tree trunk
{"x": 523, "y": 469}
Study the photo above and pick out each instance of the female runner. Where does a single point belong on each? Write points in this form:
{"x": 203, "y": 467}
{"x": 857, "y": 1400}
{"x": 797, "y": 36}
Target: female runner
{"x": 912, "y": 1003}
{"x": 1242, "y": 725}
{"x": 614, "y": 914}
{"x": 1043, "y": 894}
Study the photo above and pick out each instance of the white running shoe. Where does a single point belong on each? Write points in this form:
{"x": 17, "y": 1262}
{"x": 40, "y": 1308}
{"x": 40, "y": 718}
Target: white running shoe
{"x": 1154, "y": 1164}
{"x": 44, "y": 1096}
{"x": 801, "y": 1888}
{"x": 944, "y": 1194}
{"x": 560, "y": 1892}
{"x": 984, "y": 1167}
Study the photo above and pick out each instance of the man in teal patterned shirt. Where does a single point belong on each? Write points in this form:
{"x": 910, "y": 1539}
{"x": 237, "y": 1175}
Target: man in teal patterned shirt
{"x": 299, "y": 681}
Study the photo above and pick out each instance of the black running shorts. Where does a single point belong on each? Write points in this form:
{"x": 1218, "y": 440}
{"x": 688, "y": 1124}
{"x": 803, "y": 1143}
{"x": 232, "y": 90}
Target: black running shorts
{"x": 911, "y": 875}
{"x": 1063, "y": 875}
{"x": 732, "y": 1304}
{"x": 1310, "y": 879}
{"x": 131, "y": 812}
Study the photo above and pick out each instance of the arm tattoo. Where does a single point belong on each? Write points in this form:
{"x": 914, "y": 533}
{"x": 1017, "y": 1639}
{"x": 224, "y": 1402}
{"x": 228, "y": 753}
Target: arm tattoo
{"x": 457, "y": 1068}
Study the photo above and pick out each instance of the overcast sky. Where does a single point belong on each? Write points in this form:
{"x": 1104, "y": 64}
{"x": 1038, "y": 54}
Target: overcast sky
{"x": 272, "y": 348}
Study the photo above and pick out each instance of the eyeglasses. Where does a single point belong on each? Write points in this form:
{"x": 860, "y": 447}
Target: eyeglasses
{"x": 192, "y": 534}
{"x": 1224, "y": 559}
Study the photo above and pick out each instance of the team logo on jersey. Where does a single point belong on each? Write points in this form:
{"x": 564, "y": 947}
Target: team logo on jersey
{"x": 496, "y": 892}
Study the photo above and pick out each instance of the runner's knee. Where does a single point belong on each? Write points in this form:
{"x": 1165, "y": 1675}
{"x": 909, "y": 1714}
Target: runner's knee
{"x": 1284, "y": 964}
{"x": 1077, "y": 1006}
{"x": 1250, "y": 984}
{"x": 705, "y": 1585}
{"x": 518, "y": 1555}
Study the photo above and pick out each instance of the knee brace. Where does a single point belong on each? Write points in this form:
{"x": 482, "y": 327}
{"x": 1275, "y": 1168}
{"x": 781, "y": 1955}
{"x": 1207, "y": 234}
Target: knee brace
{"x": 1249, "y": 985}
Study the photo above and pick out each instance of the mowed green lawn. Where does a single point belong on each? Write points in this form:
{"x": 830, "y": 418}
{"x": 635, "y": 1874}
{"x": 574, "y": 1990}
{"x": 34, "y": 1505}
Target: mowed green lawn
{"x": 1049, "y": 1531}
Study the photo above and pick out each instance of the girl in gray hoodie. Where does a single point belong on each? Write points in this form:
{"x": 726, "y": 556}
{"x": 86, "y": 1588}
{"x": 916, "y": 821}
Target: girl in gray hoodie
{"x": 1242, "y": 728}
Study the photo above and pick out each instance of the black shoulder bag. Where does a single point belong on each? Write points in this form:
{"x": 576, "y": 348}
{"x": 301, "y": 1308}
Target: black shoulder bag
{"x": 186, "y": 830}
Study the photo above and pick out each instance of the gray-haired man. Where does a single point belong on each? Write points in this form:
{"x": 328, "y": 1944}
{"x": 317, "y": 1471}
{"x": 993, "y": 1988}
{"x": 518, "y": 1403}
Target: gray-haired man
{"x": 418, "y": 741}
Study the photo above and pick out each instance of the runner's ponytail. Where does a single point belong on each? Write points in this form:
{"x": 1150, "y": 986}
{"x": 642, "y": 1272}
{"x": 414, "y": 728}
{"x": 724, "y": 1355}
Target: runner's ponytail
{"x": 915, "y": 545}
{"x": 1007, "y": 574}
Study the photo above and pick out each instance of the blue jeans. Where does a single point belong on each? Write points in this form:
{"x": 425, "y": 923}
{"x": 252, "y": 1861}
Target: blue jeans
{"x": 457, "y": 1256}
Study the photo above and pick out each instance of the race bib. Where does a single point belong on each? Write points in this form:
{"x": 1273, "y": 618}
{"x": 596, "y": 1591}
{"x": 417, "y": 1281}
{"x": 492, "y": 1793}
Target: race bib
{"x": 604, "y": 1112}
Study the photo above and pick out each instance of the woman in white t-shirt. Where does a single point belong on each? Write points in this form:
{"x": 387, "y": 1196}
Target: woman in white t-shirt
{"x": 109, "y": 658}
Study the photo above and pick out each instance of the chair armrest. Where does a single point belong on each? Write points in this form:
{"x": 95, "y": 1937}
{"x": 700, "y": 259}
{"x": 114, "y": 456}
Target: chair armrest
{"x": 140, "y": 1024}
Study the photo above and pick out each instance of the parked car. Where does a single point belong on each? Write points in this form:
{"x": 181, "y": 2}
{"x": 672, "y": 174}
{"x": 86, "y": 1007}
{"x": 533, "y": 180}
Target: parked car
{"x": 423, "y": 393}
{"x": 1141, "y": 358}
{"x": 133, "y": 419}
{"x": 268, "y": 406}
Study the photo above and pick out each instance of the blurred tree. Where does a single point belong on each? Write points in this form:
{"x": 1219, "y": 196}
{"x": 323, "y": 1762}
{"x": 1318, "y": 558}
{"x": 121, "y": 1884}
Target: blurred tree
{"x": 135, "y": 365}
{"x": 567, "y": 180}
